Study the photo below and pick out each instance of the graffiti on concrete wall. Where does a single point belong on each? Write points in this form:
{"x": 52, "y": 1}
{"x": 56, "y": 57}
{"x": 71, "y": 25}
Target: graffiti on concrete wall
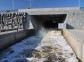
{"x": 11, "y": 21}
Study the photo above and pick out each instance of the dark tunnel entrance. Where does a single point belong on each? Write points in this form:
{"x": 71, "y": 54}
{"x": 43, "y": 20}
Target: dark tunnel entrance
{"x": 50, "y": 24}
{"x": 50, "y": 21}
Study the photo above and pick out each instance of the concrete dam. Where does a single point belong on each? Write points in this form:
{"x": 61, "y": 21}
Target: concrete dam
{"x": 42, "y": 35}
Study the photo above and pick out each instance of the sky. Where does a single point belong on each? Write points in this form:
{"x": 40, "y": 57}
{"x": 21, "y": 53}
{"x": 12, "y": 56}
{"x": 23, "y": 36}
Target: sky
{"x": 23, "y": 4}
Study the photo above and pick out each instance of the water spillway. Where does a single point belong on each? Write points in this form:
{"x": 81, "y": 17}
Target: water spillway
{"x": 51, "y": 47}
{"x": 48, "y": 45}
{"x": 41, "y": 19}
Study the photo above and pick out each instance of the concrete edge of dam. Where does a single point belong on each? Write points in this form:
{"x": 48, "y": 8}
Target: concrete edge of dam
{"x": 77, "y": 45}
{"x": 9, "y": 39}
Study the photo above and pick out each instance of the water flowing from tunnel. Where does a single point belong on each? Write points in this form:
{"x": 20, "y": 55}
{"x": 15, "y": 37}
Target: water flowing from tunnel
{"x": 46, "y": 46}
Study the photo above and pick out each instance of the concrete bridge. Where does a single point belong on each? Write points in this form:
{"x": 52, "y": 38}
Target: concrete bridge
{"x": 71, "y": 17}
{"x": 62, "y": 18}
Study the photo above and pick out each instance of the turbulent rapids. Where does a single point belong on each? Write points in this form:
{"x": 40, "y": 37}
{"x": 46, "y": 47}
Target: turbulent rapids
{"x": 52, "y": 47}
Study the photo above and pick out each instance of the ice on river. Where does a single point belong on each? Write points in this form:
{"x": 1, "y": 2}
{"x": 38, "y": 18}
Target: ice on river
{"x": 51, "y": 48}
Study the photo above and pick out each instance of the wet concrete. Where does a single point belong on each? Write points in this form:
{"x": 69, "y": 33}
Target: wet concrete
{"x": 11, "y": 38}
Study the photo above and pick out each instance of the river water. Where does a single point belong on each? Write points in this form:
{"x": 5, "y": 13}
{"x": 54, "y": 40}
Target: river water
{"x": 52, "y": 47}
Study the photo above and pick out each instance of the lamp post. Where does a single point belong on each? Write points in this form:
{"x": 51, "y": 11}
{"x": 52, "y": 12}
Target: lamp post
{"x": 30, "y": 5}
{"x": 79, "y": 3}
{"x": 13, "y": 5}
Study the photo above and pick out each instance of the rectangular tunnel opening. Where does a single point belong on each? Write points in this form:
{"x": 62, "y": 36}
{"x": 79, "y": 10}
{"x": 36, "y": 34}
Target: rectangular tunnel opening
{"x": 49, "y": 21}
{"x": 50, "y": 24}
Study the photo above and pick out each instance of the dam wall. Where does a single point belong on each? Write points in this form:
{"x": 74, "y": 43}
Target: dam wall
{"x": 76, "y": 45}
{"x": 74, "y": 15}
{"x": 75, "y": 20}
{"x": 9, "y": 39}
{"x": 75, "y": 38}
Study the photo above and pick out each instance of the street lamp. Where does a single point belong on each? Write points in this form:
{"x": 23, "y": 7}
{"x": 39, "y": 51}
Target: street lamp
{"x": 13, "y": 5}
{"x": 79, "y": 3}
{"x": 30, "y": 5}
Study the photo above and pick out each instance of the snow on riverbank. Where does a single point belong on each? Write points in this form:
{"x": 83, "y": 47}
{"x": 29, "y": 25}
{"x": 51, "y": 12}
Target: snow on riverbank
{"x": 52, "y": 48}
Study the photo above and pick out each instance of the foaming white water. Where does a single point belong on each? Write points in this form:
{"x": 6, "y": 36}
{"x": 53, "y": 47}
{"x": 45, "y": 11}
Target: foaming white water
{"x": 48, "y": 45}
{"x": 54, "y": 48}
{"x": 43, "y": 32}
